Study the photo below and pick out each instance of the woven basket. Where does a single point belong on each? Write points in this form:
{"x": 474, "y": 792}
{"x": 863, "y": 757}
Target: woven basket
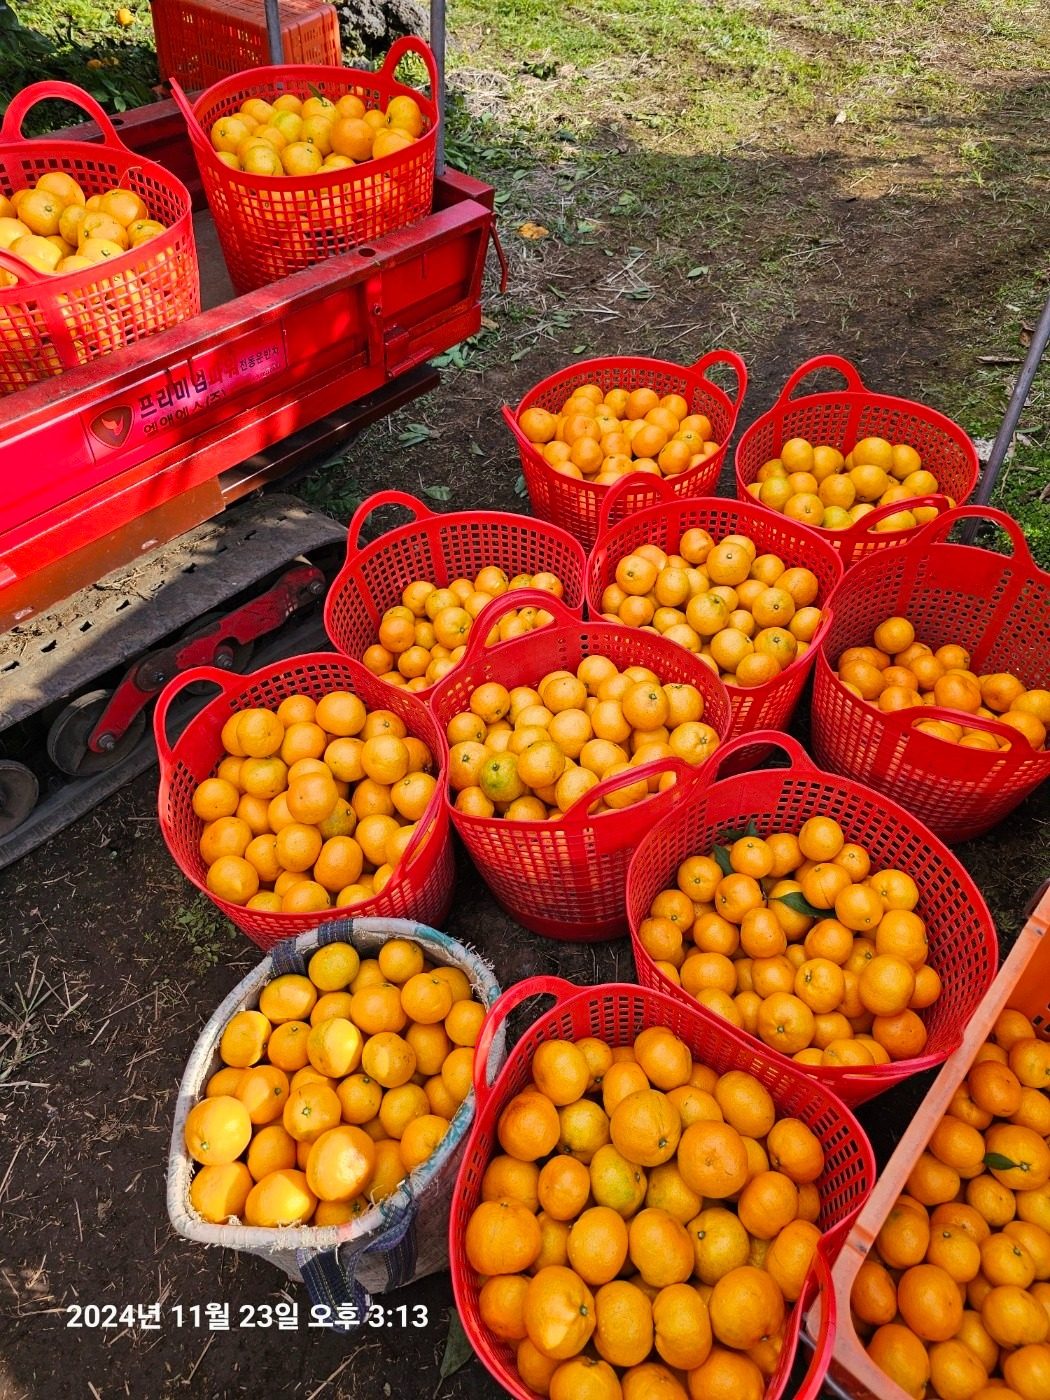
{"x": 404, "y": 1237}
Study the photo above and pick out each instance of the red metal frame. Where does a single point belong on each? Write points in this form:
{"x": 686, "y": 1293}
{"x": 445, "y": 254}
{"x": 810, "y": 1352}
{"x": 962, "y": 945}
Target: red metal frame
{"x": 112, "y": 441}
{"x": 148, "y": 676}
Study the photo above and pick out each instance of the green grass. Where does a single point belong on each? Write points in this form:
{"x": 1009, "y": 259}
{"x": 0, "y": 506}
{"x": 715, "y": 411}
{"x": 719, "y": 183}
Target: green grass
{"x": 979, "y": 402}
{"x": 205, "y": 936}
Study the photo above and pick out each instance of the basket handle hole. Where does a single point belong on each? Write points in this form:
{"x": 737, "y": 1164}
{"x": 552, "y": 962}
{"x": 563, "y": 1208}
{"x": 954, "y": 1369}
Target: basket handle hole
{"x": 366, "y": 252}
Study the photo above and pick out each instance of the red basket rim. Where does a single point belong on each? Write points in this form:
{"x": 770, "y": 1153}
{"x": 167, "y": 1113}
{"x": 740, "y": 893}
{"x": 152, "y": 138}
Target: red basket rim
{"x": 434, "y": 819}
{"x": 503, "y": 652}
{"x": 722, "y": 504}
{"x": 358, "y": 554}
{"x": 876, "y": 1077}
{"x": 567, "y": 996}
{"x": 787, "y": 404}
{"x": 711, "y": 467}
{"x": 301, "y": 74}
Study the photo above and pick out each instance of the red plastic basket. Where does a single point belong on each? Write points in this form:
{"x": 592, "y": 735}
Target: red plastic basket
{"x": 201, "y": 41}
{"x": 49, "y": 324}
{"x": 995, "y": 605}
{"x": 842, "y": 418}
{"x": 768, "y": 706}
{"x": 440, "y": 548}
{"x": 421, "y": 887}
{"x": 617, "y": 1013}
{"x": 964, "y": 948}
{"x": 270, "y": 226}
{"x": 566, "y": 879}
{"x": 575, "y": 505}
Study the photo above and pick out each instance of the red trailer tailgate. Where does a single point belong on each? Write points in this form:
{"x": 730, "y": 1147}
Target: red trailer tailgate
{"x": 82, "y": 454}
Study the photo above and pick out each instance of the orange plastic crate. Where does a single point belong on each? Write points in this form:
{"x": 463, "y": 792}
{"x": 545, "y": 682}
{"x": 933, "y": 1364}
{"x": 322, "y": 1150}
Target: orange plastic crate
{"x": 201, "y": 41}
{"x": 1024, "y": 984}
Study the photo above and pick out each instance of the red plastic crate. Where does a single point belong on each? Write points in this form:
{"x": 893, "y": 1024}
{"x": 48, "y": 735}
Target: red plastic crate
{"x": 617, "y": 1013}
{"x": 201, "y": 41}
{"x": 1023, "y": 985}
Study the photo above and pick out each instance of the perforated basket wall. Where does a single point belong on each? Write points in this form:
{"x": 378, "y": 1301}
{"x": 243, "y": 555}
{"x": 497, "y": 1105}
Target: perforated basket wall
{"x": 964, "y": 949}
{"x": 576, "y": 505}
{"x": 768, "y": 706}
{"x": 617, "y": 1013}
{"x": 421, "y": 886}
{"x": 998, "y": 608}
{"x": 53, "y": 323}
{"x": 566, "y": 879}
{"x": 840, "y": 420}
{"x": 270, "y": 226}
{"x": 439, "y": 548}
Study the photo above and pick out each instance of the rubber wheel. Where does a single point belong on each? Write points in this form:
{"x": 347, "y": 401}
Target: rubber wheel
{"x": 67, "y": 739}
{"x": 242, "y": 651}
{"x": 19, "y": 791}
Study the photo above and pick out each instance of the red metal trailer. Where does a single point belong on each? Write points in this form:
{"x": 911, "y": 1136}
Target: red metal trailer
{"x": 101, "y": 467}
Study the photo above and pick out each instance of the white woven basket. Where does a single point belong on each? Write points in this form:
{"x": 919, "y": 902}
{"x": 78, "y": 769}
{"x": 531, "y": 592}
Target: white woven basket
{"x": 402, "y": 1238}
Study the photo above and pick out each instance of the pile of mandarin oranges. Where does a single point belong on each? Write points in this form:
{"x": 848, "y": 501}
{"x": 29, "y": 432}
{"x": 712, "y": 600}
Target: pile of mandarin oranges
{"x": 338, "y": 1086}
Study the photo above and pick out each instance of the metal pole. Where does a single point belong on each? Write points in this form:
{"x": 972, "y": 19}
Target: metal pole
{"x": 273, "y": 32}
{"x": 437, "y": 43}
{"x": 1014, "y": 409}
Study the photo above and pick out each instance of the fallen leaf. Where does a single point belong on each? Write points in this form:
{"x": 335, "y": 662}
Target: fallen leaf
{"x": 532, "y": 231}
{"x": 458, "y": 1350}
{"x": 840, "y": 117}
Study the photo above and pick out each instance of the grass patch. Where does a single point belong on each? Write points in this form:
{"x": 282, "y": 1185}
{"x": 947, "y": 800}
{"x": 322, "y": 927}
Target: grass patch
{"x": 206, "y": 935}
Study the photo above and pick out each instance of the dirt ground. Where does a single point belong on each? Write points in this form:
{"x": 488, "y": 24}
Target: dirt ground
{"x": 869, "y": 239}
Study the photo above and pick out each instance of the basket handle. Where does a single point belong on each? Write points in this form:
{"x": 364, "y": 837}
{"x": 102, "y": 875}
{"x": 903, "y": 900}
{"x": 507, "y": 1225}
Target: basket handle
{"x": 905, "y": 720}
{"x": 410, "y": 43}
{"x": 659, "y": 485}
{"x": 227, "y": 683}
{"x": 864, "y": 526}
{"x": 193, "y": 127}
{"x": 724, "y": 357}
{"x": 774, "y": 738}
{"x": 498, "y": 1012}
{"x": 818, "y": 1284}
{"x": 510, "y": 602}
{"x": 849, "y": 372}
{"x": 939, "y": 529}
{"x": 577, "y": 814}
{"x": 416, "y": 508}
{"x": 28, "y": 274}
{"x": 11, "y": 130}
